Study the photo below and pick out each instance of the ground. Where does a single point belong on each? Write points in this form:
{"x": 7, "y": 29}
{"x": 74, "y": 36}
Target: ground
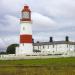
{"x": 51, "y": 66}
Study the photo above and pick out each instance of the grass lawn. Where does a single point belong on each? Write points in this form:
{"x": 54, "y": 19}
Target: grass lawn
{"x": 70, "y": 60}
{"x": 51, "y": 66}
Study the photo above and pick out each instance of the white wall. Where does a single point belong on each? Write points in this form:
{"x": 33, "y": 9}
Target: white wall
{"x": 26, "y": 28}
{"x": 56, "y": 48}
{"x": 24, "y": 49}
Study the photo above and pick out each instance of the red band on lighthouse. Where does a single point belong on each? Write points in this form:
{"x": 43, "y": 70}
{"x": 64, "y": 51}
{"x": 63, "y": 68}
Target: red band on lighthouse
{"x": 25, "y": 19}
{"x": 26, "y": 8}
{"x": 25, "y": 38}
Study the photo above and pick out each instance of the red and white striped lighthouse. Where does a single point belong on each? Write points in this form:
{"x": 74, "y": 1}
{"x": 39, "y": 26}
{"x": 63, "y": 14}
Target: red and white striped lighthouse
{"x": 26, "y": 32}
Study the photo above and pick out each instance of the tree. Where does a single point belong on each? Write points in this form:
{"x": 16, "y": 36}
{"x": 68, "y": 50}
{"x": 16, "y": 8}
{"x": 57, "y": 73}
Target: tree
{"x": 2, "y": 53}
{"x": 11, "y": 49}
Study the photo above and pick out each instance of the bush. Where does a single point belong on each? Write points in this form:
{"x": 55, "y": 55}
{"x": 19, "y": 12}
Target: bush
{"x": 11, "y": 49}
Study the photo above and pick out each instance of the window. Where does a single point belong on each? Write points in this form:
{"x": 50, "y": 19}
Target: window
{"x": 23, "y": 28}
{"x": 67, "y": 45}
{"x": 48, "y": 46}
{"x": 25, "y": 15}
{"x": 38, "y": 47}
{"x": 74, "y": 48}
{"x": 43, "y": 46}
{"x": 53, "y": 45}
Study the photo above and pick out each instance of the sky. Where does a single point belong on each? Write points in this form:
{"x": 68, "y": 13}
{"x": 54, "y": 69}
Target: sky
{"x": 54, "y": 18}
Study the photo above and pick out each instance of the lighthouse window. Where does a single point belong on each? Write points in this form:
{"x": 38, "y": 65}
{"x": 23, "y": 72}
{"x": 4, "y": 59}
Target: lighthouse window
{"x": 23, "y": 28}
{"x": 25, "y": 15}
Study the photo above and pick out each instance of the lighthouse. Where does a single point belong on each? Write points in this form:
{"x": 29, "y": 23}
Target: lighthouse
{"x": 25, "y": 46}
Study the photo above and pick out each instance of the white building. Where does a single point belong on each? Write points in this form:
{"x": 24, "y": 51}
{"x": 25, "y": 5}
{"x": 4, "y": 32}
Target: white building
{"x": 55, "y": 47}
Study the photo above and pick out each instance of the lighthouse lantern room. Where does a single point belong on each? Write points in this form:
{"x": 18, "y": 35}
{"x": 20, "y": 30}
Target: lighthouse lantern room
{"x": 26, "y": 14}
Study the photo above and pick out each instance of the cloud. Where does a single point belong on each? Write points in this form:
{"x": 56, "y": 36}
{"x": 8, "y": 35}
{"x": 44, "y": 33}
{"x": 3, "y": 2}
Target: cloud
{"x": 2, "y": 45}
{"x": 41, "y": 19}
{"x": 49, "y": 18}
{"x": 9, "y": 31}
{"x": 9, "y": 25}
{"x": 40, "y": 22}
{"x": 11, "y": 40}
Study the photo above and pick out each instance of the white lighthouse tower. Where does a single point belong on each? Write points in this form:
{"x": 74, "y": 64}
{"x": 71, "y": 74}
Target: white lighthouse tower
{"x": 25, "y": 46}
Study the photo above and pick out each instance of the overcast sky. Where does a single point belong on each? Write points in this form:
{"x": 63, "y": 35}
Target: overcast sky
{"x": 50, "y": 18}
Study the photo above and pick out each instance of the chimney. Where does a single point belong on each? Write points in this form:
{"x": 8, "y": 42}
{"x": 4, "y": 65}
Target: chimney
{"x": 37, "y": 41}
{"x": 67, "y": 39}
{"x": 51, "y": 39}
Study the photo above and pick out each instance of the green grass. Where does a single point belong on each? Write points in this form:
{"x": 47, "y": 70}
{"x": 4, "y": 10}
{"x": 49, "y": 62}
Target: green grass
{"x": 39, "y": 61}
{"x": 51, "y": 66}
